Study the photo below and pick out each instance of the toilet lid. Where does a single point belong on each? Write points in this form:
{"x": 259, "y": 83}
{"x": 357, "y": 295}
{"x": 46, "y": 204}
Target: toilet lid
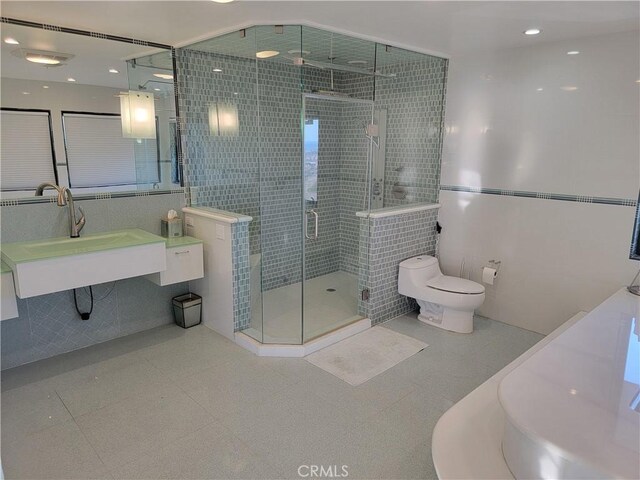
{"x": 455, "y": 285}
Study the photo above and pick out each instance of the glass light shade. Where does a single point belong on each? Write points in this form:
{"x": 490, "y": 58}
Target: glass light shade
{"x": 138, "y": 114}
{"x": 43, "y": 59}
{"x": 223, "y": 119}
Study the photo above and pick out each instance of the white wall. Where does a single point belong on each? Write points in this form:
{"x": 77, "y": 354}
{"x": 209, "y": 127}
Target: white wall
{"x": 578, "y": 135}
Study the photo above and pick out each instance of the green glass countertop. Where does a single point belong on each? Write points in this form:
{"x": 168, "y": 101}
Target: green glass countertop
{"x": 13, "y": 253}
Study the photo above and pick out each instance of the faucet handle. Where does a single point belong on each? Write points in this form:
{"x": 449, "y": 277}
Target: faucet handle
{"x": 80, "y": 223}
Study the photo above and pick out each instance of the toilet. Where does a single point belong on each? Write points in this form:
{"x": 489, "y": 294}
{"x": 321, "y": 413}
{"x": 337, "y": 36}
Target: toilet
{"x": 445, "y": 302}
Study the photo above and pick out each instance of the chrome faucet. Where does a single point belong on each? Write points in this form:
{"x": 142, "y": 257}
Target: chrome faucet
{"x": 64, "y": 197}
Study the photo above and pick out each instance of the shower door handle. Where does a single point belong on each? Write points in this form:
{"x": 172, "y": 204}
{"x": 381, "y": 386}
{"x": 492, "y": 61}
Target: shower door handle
{"x": 306, "y": 224}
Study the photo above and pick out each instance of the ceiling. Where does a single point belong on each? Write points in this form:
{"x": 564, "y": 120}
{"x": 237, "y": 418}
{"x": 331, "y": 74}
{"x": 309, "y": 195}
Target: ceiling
{"x": 319, "y": 48}
{"x": 447, "y": 28}
{"x": 91, "y": 62}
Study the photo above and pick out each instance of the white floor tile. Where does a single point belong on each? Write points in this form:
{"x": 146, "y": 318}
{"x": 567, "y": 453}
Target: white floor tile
{"x": 174, "y": 403}
{"x": 29, "y": 409}
{"x": 123, "y": 431}
{"x": 207, "y": 453}
{"x": 103, "y": 389}
{"x": 61, "y": 451}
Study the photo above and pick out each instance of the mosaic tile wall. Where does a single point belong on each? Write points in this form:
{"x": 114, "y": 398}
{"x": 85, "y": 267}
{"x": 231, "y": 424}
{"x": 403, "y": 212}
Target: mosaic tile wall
{"x": 48, "y": 325}
{"x": 354, "y": 191}
{"x": 241, "y": 276}
{"x": 258, "y": 173}
{"x": 415, "y": 102}
{"x": 392, "y": 240}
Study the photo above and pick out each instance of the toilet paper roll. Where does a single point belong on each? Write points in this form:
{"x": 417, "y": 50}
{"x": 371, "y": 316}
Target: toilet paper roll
{"x": 489, "y": 275}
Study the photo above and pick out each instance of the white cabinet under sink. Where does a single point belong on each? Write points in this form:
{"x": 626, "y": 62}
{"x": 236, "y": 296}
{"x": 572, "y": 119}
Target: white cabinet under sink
{"x": 185, "y": 262}
{"x": 8, "y": 303}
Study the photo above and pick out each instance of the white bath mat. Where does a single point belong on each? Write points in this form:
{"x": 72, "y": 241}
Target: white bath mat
{"x": 365, "y": 355}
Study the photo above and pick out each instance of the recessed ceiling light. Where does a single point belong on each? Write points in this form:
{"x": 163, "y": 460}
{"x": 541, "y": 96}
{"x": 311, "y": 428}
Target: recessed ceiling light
{"x": 71, "y": 79}
{"x": 532, "y": 31}
{"x": 573, "y": 52}
{"x": 267, "y": 53}
{"x": 357, "y": 62}
{"x": 298, "y": 52}
{"x": 11, "y": 41}
{"x": 164, "y": 76}
{"x": 113, "y": 70}
{"x": 217, "y": 70}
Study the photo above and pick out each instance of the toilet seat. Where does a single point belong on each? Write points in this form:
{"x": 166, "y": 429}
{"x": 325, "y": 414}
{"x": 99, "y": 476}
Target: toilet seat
{"x": 456, "y": 285}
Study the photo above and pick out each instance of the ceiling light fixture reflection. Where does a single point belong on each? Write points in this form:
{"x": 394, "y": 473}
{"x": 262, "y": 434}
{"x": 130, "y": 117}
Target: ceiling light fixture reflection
{"x": 298, "y": 52}
{"x": 42, "y": 59}
{"x": 164, "y": 76}
{"x": 222, "y": 1}
{"x": 573, "y": 52}
{"x": 11, "y": 41}
{"x": 539, "y": 89}
{"x": 532, "y": 31}
{"x": 157, "y": 89}
{"x": 267, "y": 53}
{"x": 569, "y": 88}
{"x": 217, "y": 70}
{"x": 26, "y": 93}
{"x": 113, "y": 70}
{"x": 45, "y": 86}
{"x": 71, "y": 79}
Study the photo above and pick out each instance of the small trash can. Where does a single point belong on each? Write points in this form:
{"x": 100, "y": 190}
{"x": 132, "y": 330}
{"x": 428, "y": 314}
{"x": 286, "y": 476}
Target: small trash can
{"x": 187, "y": 309}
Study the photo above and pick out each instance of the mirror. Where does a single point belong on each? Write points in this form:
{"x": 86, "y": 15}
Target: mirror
{"x": 87, "y": 112}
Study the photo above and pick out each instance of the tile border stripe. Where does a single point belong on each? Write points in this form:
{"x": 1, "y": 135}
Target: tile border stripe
{"x": 12, "y": 202}
{"x": 622, "y": 202}
{"x": 86, "y": 33}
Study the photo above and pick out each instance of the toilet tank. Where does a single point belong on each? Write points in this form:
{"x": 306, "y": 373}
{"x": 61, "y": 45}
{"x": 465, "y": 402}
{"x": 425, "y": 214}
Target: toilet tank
{"x": 414, "y": 273}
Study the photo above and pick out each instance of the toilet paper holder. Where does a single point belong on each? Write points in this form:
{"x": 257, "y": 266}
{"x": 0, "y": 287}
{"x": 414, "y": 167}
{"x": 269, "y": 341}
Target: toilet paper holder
{"x": 495, "y": 264}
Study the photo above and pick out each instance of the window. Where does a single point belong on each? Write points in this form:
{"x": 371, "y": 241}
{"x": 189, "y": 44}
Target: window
{"x": 26, "y": 149}
{"x": 99, "y": 156}
{"x": 311, "y": 160}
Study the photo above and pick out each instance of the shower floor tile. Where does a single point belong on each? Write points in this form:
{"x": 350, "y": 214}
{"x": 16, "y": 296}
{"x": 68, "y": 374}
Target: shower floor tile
{"x": 209, "y": 409}
{"x": 330, "y": 302}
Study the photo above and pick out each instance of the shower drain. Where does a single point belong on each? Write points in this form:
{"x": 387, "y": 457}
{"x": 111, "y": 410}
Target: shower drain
{"x": 331, "y": 289}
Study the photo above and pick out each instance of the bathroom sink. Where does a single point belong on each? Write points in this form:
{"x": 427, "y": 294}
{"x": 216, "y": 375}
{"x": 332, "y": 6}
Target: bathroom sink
{"x": 62, "y": 246}
{"x": 57, "y": 264}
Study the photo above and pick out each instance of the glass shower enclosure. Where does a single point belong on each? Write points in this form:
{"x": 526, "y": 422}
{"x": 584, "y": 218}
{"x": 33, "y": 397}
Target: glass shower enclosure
{"x": 283, "y": 124}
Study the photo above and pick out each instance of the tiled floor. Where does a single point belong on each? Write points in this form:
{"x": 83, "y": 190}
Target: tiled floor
{"x": 173, "y": 403}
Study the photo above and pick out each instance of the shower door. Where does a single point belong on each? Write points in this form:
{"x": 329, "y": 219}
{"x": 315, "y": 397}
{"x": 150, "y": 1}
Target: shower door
{"x": 336, "y": 175}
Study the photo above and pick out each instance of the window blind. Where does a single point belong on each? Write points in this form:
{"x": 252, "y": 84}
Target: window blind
{"x": 25, "y": 150}
{"x": 97, "y": 154}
